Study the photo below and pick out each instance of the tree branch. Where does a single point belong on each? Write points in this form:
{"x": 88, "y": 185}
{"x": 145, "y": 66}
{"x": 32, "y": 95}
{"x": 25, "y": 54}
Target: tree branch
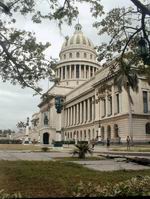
{"x": 142, "y": 7}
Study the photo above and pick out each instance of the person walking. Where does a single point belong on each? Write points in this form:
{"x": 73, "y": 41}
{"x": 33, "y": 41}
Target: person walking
{"x": 108, "y": 143}
{"x": 128, "y": 143}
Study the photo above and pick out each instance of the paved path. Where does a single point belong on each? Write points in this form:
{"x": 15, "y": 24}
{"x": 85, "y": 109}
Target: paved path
{"x": 101, "y": 165}
{"x": 111, "y": 165}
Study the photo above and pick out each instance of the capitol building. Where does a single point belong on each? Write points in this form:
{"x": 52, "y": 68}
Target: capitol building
{"x": 84, "y": 104}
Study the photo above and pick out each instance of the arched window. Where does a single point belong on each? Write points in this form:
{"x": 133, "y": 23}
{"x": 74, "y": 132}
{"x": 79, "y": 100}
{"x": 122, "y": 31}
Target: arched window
{"x": 102, "y": 132}
{"x": 70, "y": 55}
{"x": 85, "y": 55}
{"x": 116, "y": 135}
{"x": 78, "y": 54}
{"x": 147, "y": 126}
{"x": 109, "y": 132}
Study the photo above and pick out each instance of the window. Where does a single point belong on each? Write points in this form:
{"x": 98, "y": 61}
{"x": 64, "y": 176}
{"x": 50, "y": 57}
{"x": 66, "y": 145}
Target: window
{"x": 45, "y": 118}
{"x": 63, "y": 72}
{"x": 77, "y": 71}
{"x": 64, "y": 56}
{"x": 70, "y": 55}
{"x": 116, "y": 131}
{"x": 91, "y": 56}
{"x": 145, "y": 101}
{"x": 85, "y": 56}
{"x": 104, "y": 108}
{"x": 147, "y": 128}
{"x": 78, "y": 54}
{"x": 118, "y": 104}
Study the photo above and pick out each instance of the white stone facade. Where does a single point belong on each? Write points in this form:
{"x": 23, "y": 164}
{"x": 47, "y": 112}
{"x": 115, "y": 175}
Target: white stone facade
{"x": 91, "y": 110}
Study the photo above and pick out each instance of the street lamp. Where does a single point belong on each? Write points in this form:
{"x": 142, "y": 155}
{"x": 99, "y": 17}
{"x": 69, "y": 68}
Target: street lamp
{"x": 143, "y": 50}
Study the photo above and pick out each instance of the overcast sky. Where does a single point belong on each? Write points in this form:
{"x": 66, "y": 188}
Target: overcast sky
{"x": 17, "y": 104}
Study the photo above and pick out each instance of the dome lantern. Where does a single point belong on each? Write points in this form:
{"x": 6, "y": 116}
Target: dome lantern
{"x": 78, "y": 27}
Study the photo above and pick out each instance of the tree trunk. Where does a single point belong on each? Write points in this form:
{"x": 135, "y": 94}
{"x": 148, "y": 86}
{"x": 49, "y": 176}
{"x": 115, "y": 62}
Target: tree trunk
{"x": 130, "y": 116}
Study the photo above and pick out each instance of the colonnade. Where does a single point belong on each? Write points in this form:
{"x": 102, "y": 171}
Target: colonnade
{"x": 80, "y": 113}
{"x": 75, "y": 71}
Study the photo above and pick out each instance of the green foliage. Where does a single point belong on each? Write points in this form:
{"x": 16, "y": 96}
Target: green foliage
{"x": 5, "y": 195}
{"x": 45, "y": 149}
{"x": 137, "y": 186}
{"x": 82, "y": 149}
{"x": 58, "y": 143}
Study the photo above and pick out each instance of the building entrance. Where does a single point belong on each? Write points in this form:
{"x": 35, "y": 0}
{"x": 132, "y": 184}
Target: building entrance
{"x": 46, "y": 138}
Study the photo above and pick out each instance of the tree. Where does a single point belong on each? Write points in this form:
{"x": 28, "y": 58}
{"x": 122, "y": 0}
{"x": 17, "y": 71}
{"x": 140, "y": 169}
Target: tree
{"x": 127, "y": 78}
{"x": 22, "y": 58}
{"x": 21, "y": 125}
{"x": 82, "y": 149}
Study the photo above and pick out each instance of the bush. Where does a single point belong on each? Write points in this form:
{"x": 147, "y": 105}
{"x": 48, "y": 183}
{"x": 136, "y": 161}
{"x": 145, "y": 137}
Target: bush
{"x": 68, "y": 142}
{"x": 44, "y": 149}
{"x": 4, "y": 195}
{"x": 137, "y": 186}
{"x": 58, "y": 144}
{"x": 7, "y": 141}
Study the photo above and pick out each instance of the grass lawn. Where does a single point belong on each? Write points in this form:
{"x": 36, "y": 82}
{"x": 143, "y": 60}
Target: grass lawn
{"x": 19, "y": 147}
{"x": 53, "y": 178}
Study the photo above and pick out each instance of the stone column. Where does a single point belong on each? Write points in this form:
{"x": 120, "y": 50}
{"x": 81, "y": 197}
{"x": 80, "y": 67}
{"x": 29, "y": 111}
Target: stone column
{"x": 113, "y": 99}
{"x": 71, "y": 116}
{"x": 66, "y": 72}
{"x": 61, "y": 72}
{"x": 74, "y": 115}
{"x": 93, "y": 108}
{"x": 84, "y": 118}
{"x": 77, "y": 114}
{"x": 67, "y": 118}
{"x": 88, "y": 111}
{"x": 89, "y": 72}
{"x": 93, "y": 72}
{"x": 80, "y": 72}
{"x": 81, "y": 120}
{"x": 106, "y": 100}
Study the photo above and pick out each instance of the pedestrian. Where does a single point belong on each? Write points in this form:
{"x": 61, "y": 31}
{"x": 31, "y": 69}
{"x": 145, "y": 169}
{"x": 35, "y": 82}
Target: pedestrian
{"x": 128, "y": 143}
{"x": 108, "y": 143}
{"x": 93, "y": 144}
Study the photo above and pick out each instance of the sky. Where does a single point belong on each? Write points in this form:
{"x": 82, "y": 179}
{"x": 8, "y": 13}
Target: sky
{"x": 16, "y": 104}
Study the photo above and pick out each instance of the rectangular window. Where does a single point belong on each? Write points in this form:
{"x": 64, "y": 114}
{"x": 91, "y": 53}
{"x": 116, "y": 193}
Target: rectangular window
{"x": 77, "y": 71}
{"x": 118, "y": 104}
{"x": 90, "y": 108}
{"x": 110, "y": 105}
{"x": 145, "y": 101}
{"x": 63, "y": 72}
{"x": 104, "y": 108}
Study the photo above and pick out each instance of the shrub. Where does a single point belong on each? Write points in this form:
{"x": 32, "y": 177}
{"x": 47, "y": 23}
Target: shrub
{"x": 44, "y": 149}
{"x": 69, "y": 142}
{"x": 58, "y": 144}
{"x": 137, "y": 186}
{"x": 4, "y": 195}
{"x": 8, "y": 141}
{"x": 81, "y": 150}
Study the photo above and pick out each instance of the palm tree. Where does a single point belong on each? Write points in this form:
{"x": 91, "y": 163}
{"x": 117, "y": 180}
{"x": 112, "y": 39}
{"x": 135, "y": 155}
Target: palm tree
{"x": 82, "y": 149}
{"x": 127, "y": 77}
